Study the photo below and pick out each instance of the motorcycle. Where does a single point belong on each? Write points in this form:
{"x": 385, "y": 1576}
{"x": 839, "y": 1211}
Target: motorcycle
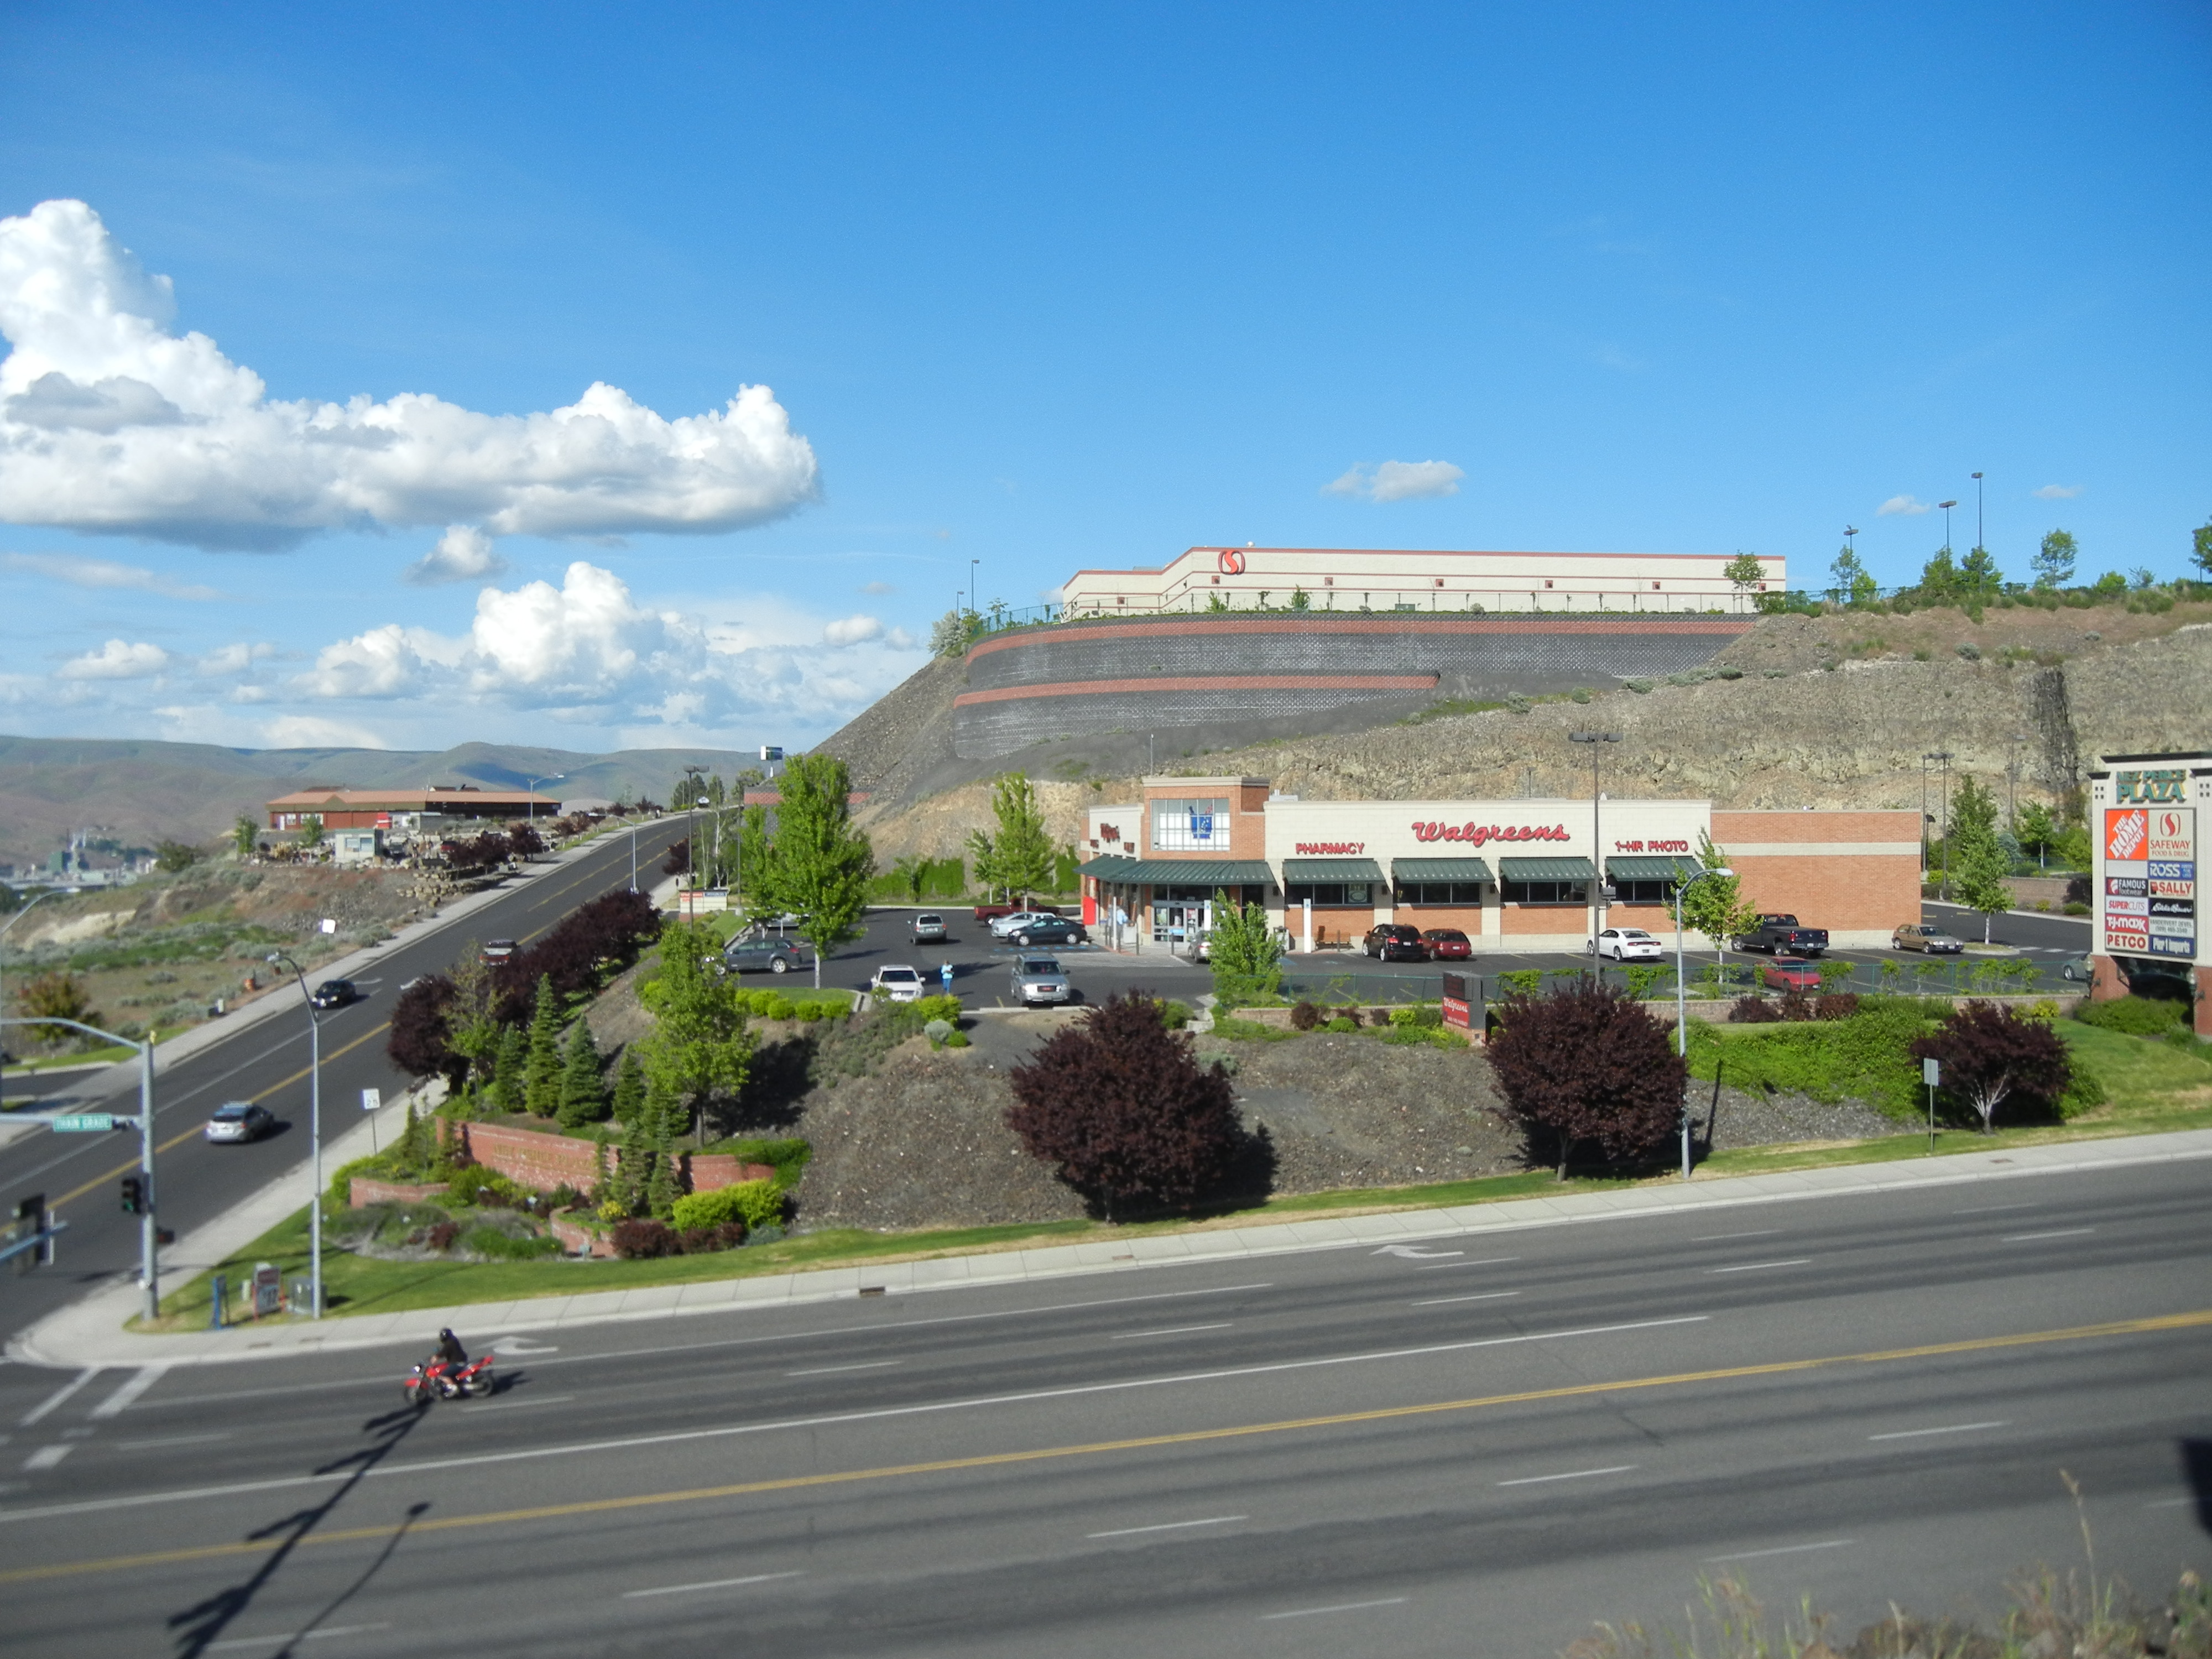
{"x": 440, "y": 1379}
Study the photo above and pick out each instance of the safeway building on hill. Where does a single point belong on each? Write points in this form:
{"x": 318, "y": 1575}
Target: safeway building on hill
{"x": 1512, "y": 875}
{"x": 403, "y": 809}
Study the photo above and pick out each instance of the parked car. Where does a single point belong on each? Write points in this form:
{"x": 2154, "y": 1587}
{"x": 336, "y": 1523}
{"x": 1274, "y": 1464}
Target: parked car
{"x": 334, "y": 994}
{"x": 1779, "y": 934}
{"x": 1790, "y": 973}
{"x": 1199, "y": 947}
{"x": 1393, "y": 941}
{"x": 1917, "y": 936}
{"x": 1049, "y": 930}
{"x": 240, "y": 1121}
{"x": 1446, "y": 944}
{"x": 2078, "y": 969}
{"x": 1039, "y": 979}
{"x": 776, "y": 956}
{"x": 996, "y": 913}
{"x": 498, "y": 950}
{"x": 895, "y": 981}
{"x": 927, "y": 929}
{"x": 1013, "y": 921}
{"x": 1626, "y": 944}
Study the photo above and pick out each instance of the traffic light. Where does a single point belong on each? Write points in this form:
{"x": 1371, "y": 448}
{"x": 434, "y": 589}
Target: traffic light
{"x": 134, "y": 1195}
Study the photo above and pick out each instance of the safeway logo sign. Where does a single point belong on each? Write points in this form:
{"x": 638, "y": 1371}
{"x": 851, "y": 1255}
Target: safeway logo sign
{"x": 1476, "y": 834}
{"x": 2127, "y": 835}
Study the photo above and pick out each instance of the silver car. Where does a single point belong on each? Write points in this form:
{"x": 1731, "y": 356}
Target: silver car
{"x": 928, "y": 928}
{"x": 240, "y": 1121}
{"x": 1039, "y": 979}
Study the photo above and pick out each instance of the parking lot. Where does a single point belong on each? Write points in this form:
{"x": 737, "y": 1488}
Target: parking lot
{"x": 982, "y": 965}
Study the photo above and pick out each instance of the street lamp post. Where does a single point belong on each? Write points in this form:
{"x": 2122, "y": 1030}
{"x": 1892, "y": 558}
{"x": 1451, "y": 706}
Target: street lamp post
{"x": 1682, "y": 1003}
{"x": 1597, "y": 846}
{"x": 314, "y": 1138}
{"x": 1851, "y": 545}
{"x": 1947, "y": 507}
{"x": 530, "y": 788}
{"x": 1979, "y": 543}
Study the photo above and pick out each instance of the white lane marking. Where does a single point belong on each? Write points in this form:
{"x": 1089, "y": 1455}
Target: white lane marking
{"x": 1992, "y": 1209}
{"x": 1441, "y": 1301}
{"x": 1170, "y": 1526}
{"x": 711, "y": 1583}
{"x": 2169, "y": 1503}
{"x": 1487, "y": 1261}
{"x": 517, "y": 1347}
{"x": 124, "y": 1397}
{"x": 1760, "y": 1267}
{"x": 829, "y": 1371}
{"x": 171, "y": 1440}
{"x": 1715, "y": 1238}
{"x": 1948, "y": 1428}
{"x": 833, "y": 1419}
{"x": 290, "y": 1637}
{"x": 59, "y": 1397}
{"x": 2062, "y": 1232}
{"x": 46, "y": 1457}
{"x": 1340, "y": 1607}
{"x": 1572, "y": 1475}
{"x": 1172, "y": 1330}
{"x": 1787, "y": 1549}
{"x": 475, "y": 1410}
{"x": 1414, "y": 1252}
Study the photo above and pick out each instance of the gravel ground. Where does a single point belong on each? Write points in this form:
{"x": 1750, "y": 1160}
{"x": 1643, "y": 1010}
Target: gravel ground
{"x": 923, "y": 1143}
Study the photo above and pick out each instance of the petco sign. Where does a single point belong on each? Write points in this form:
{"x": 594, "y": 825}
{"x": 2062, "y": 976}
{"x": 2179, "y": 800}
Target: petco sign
{"x": 1476, "y": 834}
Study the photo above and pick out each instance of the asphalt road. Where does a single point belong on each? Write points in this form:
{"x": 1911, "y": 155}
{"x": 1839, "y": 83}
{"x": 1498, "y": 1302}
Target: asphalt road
{"x": 1475, "y": 1446}
{"x": 267, "y": 1061}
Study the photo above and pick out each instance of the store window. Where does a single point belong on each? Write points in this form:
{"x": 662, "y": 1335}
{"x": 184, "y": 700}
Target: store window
{"x": 1329, "y": 892}
{"x": 1546, "y": 892}
{"x": 1644, "y": 892}
{"x": 1440, "y": 892}
{"x": 1189, "y": 826}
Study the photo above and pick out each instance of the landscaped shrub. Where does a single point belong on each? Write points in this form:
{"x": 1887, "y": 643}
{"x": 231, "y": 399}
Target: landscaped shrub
{"x": 1305, "y": 1016}
{"x": 1992, "y": 1057}
{"x": 1867, "y": 1057}
{"x": 2134, "y": 1016}
{"x": 1120, "y": 1105}
{"x": 1836, "y": 1004}
{"x": 710, "y": 1241}
{"x": 485, "y": 1188}
{"x": 1344, "y": 1021}
{"x": 750, "y": 1203}
{"x": 1753, "y": 1011}
{"x": 591, "y": 945}
{"x": 642, "y": 1238}
{"x": 440, "y": 1236}
{"x": 1174, "y": 1015}
{"x": 506, "y": 1247}
{"x": 1585, "y": 1065}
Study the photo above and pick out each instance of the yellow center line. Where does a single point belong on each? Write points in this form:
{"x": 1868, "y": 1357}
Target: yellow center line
{"x": 2196, "y": 1320}
{"x": 179, "y": 1139}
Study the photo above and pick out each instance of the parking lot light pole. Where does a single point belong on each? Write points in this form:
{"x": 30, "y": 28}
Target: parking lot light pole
{"x": 1682, "y": 1004}
{"x": 314, "y": 1137}
{"x": 1597, "y": 846}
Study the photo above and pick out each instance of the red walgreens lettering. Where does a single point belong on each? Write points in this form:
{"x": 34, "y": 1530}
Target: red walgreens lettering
{"x": 1477, "y": 833}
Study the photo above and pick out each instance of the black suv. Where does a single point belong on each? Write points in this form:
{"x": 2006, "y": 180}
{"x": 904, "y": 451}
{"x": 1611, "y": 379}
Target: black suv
{"x": 1393, "y": 941}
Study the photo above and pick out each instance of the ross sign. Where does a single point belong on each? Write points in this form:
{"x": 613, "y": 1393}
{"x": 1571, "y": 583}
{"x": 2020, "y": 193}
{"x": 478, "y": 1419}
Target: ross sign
{"x": 2152, "y": 787}
{"x": 91, "y": 1123}
{"x": 1331, "y": 848}
{"x": 267, "y": 1289}
{"x": 1476, "y": 834}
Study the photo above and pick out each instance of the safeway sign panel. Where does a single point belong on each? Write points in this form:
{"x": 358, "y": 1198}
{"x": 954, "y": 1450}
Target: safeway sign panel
{"x": 2170, "y": 881}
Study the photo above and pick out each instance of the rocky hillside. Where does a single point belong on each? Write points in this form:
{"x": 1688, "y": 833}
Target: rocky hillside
{"x": 1829, "y": 711}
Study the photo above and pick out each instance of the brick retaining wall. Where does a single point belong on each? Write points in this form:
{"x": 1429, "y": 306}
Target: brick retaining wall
{"x": 368, "y": 1190}
{"x": 541, "y": 1160}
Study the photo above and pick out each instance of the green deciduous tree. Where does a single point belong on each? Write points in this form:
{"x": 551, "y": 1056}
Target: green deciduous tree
{"x": 2053, "y": 563}
{"x": 1938, "y": 579}
{"x": 1019, "y": 857}
{"x": 1974, "y": 856}
{"x": 700, "y": 1045}
{"x": 1979, "y": 579}
{"x": 541, "y": 1085}
{"x": 2200, "y": 544}
{"x": 175, "y": 856}
{"x": 1714, "y": 905}
{"x": 1246, "y": 957}
{"x": 815, "y": 865}
{"x": 583, "y": 1091}
{"x": 1744, "y": 572}
{"x": 245, "y": 834}
{"x": 2036, "y": 829}
{"x": 1853, "y": 585}
{"x": 473, "y": 1029}
{"x": 311, "y": 833}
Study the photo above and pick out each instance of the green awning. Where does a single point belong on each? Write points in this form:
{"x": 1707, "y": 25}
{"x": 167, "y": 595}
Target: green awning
{"x": 1544, "y": 869}
{"x": 1182, "y": 872}
{"x": 1428, "y": 870}
{"x": 1307, "y": 872}
{"x": 1667, "y": 868}
{"x": 1107, "y": 868}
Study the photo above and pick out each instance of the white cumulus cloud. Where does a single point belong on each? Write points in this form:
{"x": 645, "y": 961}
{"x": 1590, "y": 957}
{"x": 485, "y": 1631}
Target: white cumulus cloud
{"x": 109, "y": 422}
{"x": 2056, "y": 492}
{"x": 313, "y": 731}
{"x": 103, "y": 572}
{"x": 851, "y": 630}
{"x": 117, "y": 660}
{"x": 1904, "y": 504}
{"x": 463, "y": 554}
{"x": 233, "y": 658}
{"x": 1397, "y": 481}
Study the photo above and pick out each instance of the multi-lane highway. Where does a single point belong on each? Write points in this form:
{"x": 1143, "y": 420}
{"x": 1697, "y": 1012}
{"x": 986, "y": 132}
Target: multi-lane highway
{"x": 1475, "y": 1445}
{"x": 266, "y": 1061}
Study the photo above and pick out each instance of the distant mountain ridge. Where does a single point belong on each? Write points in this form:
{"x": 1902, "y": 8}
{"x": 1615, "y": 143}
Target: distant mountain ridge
{"x": 142, "y": 791}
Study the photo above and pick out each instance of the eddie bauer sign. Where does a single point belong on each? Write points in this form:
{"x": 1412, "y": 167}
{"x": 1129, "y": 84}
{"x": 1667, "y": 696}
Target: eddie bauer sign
{"x": 1477, "y": 833}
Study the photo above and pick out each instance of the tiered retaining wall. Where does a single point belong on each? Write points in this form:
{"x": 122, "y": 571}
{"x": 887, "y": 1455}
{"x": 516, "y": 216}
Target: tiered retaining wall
{"x": 542, "y": 1162}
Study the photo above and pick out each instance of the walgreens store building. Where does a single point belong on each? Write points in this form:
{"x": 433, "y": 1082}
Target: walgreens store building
{"x": 1512, "y": 875}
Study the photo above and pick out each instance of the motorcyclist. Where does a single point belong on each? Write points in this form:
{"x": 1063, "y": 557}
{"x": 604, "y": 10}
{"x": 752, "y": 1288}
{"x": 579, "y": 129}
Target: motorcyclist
{"x": 450, "y": 1351}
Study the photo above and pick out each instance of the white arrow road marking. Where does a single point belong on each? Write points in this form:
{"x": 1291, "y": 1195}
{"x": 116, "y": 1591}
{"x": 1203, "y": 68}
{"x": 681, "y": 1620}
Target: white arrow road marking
{"x": 1414, "y": 1253}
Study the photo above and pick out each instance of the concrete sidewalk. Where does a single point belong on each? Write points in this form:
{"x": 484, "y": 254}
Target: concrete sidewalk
{"x": 91, "y": 1333}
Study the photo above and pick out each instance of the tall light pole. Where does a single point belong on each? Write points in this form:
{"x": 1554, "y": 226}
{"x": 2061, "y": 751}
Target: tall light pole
{"x": 1947, "y": 507}
{"x": 1851, "y": 546}
{"x": 1979, "y": 543}
{"x": 1597, "y": 846}
{"x": 1682, "y": 1004}
{"x": 314, "y": 1138}
{"x": 530, "y": 806}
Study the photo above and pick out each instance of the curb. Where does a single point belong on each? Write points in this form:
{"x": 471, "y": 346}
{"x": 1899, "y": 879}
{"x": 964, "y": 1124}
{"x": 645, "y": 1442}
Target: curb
{"x": 91, "y": 1334}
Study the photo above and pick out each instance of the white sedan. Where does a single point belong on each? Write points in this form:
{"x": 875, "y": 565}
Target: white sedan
{"x": 1626, "y": 944}
{"x": 897, "y": 982}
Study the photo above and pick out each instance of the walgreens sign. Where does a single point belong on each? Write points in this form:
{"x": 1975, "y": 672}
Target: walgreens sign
{"x": 1476, "y": 834}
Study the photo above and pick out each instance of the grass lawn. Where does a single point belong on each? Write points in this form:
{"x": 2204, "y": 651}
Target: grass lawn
{"x": 2151, "y": 1087}
{"x": 110, "y": 1055}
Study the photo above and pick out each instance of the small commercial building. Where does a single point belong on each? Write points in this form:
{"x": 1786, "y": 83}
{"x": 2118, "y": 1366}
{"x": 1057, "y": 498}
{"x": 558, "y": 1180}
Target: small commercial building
{"x": 1512, "y": 875}
{"x": 419, "y": 811}
{"x": 2144, "y": 812}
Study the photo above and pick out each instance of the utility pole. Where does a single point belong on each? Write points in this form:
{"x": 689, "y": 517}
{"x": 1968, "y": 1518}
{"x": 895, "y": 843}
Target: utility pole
{"x": 314, "y": 1138}
{"x": 1597, "y": 845}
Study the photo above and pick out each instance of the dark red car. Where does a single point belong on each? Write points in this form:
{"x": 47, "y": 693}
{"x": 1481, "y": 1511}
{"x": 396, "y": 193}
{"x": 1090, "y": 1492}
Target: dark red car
{"x": 1790, "y": 973}
{"x": 1447, "y": 945}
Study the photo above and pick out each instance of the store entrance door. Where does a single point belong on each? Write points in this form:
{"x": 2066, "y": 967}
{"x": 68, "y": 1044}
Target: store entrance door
{"x": 1175, "y": 920}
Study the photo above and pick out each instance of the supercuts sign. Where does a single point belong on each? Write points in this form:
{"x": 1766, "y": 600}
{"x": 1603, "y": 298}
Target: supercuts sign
{"x": 1476, "y": 834}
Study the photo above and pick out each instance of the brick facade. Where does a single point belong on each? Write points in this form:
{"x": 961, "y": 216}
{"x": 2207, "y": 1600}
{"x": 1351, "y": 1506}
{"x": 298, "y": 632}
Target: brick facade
{"x": 1856, "y": 874}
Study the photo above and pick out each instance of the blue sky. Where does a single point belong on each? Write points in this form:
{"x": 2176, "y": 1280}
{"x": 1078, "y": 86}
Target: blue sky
{"x": 1043, "y": 287}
